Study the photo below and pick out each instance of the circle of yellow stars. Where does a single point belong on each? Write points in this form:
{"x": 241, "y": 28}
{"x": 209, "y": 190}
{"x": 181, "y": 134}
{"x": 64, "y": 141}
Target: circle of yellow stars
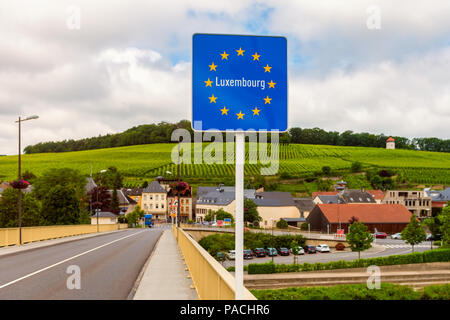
{"x": 213, "y": 67}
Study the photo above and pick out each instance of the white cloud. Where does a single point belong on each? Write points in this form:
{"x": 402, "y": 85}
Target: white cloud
{"x": 129, "y": 64}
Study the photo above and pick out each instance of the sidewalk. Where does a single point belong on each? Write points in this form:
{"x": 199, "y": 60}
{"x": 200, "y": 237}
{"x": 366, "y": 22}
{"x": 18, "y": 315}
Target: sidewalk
{"x": 164, "y": 277}
{"x": 52, "y": 242}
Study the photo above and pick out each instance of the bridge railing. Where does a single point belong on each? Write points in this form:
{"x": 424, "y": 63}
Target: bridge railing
{"x": 210, "y": 278}
{"x": 10, "y": 236}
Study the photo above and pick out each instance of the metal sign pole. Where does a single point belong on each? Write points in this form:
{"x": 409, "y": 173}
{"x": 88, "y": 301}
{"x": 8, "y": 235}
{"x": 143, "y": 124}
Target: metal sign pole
{"x": 239, "y": 232}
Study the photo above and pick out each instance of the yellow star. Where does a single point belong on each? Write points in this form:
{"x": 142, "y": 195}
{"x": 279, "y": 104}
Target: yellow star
{"x": 240, "y": 115}
{"x": 240, "y": 52}
{"x": 208, "y": 83}
{"x": 256, "y": 111}
{"x": 267, "y": 68}
{"x": 212, "y": 99}
{"x": 224, "y": 55}
{"x": 271, "y": 84}
{"x": 267, "y": 100}
{"x": 224, "y": 110}
{"x": 256, "y": 56}
{"x": 212, "y": 67}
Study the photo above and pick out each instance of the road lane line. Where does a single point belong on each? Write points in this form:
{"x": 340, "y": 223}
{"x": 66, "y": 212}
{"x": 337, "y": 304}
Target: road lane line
{"x": 65, "y": 260}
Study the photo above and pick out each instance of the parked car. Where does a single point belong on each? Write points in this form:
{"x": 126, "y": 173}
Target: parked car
{"x": 214, "y": 224}
{"x": 430, "y": 237}
{"x": 284, "y": 251}
{"x": 310, "y": 249}
{"x": 248, "y": 254}
{"x": 301, "y": 251}
{"x": 271, "y": 252}
{"x": 220, "y": 256}
{"x": 397, "y": 236}
{"x": 231, "y": 254}
{"x": 322, "y": 248}
{"x": 259, "y": 252}
{"x": 380, "y": 235}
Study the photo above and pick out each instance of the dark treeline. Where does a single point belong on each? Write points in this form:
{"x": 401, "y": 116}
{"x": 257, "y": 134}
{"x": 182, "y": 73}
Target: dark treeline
{"x": 161, "y": 133}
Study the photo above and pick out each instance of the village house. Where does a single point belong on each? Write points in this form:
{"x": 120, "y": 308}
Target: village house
{"x": 389, "y": 218}
{"x": 417, "y": 202}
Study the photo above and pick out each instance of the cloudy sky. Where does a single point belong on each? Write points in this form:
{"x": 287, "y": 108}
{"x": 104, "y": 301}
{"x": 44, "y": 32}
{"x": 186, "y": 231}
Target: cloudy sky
{"x": 373, "y": 66}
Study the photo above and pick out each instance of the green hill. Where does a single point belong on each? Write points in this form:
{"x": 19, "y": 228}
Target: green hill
{"x": 144, "y": 162}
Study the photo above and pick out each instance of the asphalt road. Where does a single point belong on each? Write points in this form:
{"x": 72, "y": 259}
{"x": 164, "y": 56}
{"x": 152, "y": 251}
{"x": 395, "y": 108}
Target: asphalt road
{"x": 109, "y": 266}
{"x": 391, "y": 247}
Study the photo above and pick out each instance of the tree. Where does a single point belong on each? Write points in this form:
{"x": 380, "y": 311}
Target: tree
{"x": 414, "y": 233}
{"x": 444, "y": 219}
{"x": 101, "y": 198}
{"x": 326, "y": 170}
{"x": 9, "y": 212}
{"x": 115, "y": 204}
{"x": 61, "y": 206}
{"x": 359, "y": 237}
{"x": 295, "y": 250}
{"x": 282, "y": 224}
{"x": 60, "y": 177}
{"x": 250, "y": 211}
{"x": 145, "y": 184}
{"x": 134, "y": 216}
{"x": 220, "y": 215}
{"x": 356, "y": 166}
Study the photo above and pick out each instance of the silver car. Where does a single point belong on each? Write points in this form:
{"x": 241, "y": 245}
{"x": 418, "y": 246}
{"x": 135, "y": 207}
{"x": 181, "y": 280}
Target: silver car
{"x": 231, "y": 254}
{"x": 397, "y": 236}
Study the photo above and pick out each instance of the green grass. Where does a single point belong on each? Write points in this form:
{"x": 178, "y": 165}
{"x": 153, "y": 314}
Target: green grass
{"x": 387, "y": 291}
{"x": 144, "y": 162}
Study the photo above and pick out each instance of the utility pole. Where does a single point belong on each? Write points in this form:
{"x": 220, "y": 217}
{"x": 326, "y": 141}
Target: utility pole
{"x": 19, "y": 195}
{"x": 178, "y": 178}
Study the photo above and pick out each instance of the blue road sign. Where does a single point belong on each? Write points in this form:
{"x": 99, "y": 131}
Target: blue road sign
{"x": 239, "y": 83}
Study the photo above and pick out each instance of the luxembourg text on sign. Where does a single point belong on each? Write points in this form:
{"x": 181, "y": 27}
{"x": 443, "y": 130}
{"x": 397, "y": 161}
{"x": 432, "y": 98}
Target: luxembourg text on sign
{"x": 239, "y": 82}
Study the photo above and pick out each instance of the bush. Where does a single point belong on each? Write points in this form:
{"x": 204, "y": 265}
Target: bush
{"x": 285, "y": 175}
{"x": 259, "y": 268}
{"x": 282, "y": 224}
{"x": 387, "y": 291}
{"x": 326, "y": 170}
{"x": 356, "y": 166}
{"x": 436, "y": 292}
{"x": 436, "y": 255}
{"x": 437, "y": 243}
{"x": 304, "y": 226}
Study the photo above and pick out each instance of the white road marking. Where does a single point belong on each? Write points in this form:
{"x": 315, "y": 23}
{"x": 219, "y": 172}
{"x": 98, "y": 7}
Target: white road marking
{"x": 406, "y": 246}
{"x": 65, "y": 260}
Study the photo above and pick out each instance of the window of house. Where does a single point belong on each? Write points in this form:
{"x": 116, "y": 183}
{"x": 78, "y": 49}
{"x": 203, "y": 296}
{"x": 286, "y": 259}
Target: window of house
{"x": 156, "y": 206}
{"x": 156, "y": 197}
{"x": 162, "y": 206}
{"x": 145, "y": 197}
{"x": 151, "y": 206}
{"x": 162, "y": 197}
{"x": 151, "y": 197}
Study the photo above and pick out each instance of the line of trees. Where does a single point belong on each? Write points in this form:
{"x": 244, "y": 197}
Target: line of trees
{"x": 59, "y": 197}
{"x": 161, "y": 133}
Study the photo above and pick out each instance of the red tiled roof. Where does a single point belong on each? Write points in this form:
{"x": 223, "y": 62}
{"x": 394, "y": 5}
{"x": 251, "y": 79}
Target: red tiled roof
{"x": 378, "y": 194}
{"x": 367, "y": 213}
{"x": 390, "y": 139}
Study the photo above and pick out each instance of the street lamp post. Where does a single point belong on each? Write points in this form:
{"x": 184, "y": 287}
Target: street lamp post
{"x": 19, "y": 196}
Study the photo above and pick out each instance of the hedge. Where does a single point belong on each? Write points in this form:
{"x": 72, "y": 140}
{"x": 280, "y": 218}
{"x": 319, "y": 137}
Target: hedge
{"x": 388, "y": 291}
{"x": 436, "y": 255}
